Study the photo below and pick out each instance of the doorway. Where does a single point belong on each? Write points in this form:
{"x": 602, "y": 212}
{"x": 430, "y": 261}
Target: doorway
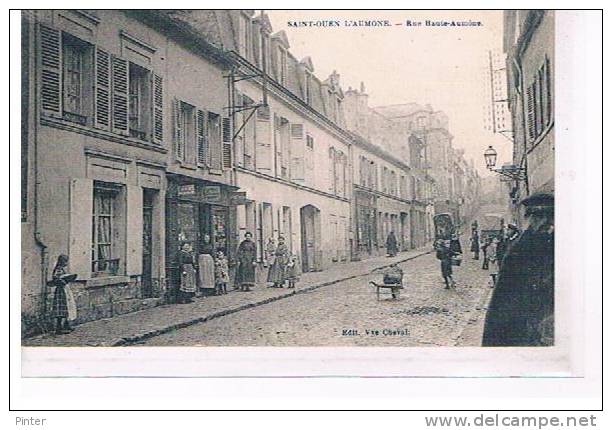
{"x": 310, "y": 224}
{"x": 147, "y": 242}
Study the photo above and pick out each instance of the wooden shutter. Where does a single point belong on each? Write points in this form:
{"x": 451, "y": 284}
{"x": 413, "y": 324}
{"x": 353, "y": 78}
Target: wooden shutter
{"x": 549, "y": 95}
{"x": 263, "y": 148}
{"x": 103, "y": 90}
{"x": 201, "y": 137}
{"x": 177, "y": 135}
{"x": 531, "y": 113}
{"x": 158, "y": 109}
{"x": 214, "y": 139}
{"x": 226, "y": 131}
{"x": 120, "y": 84}
{"x": 50, "y": 44}
{"x": 297, "y": 152}
{"x": 81, "y": 211}
{"x": 133, "y": 240}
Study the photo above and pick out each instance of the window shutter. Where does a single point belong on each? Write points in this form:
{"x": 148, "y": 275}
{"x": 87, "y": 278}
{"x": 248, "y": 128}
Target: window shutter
{"x": 102, "y": 92}
{"x": 332, "y": 170}
{"x": 297, "y": 152}
{"x": 50, "y": 43}
{"x": 158, "y": 109}
{"x": 531, "y": 113}
{"x": 549, "y": 95}
{"x": 201, "y": 136}
{"x": 538, "y": 103}
{"x": 214, "y": 139}
{"x": 133, "y": 240}
{"x": 227, "y": 143}
{"x": 81, "y": 210}
{"x": 263, "y": 155}
{"x": 120, "y": 95}
{"x": 177, "y": 140}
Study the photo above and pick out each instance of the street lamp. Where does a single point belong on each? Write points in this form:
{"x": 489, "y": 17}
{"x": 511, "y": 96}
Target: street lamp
{"x": 510, "y": 171}
{"x": 490, "y": 156}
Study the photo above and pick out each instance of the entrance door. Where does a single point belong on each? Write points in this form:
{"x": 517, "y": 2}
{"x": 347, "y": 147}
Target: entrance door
{"x": 403, "y": 230}
{"x": 147, "y": 243}
{"x": 310, "y": 229}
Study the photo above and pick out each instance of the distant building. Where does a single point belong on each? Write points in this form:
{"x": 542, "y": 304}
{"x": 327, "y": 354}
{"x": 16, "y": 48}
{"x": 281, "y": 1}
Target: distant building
{"x": 496, "y": 115}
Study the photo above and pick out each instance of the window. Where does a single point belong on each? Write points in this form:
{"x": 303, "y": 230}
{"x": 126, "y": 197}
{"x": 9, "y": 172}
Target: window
{"x": 139, "y": 102}
{"x": 185, "y": 133}
{"x": 245, "y": 43}
{"x": 421, "y": 122}
{"x": 103, "y": 259}
{"x": 76, "y": 56}
{"x": 309, "y": 142}
{"x": 539, "y": 103}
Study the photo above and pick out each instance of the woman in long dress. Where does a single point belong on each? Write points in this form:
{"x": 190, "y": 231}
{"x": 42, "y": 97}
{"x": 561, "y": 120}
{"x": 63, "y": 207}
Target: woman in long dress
{"x": 188, "y": 274}
{"x": 206, "y": 266}
{"x": 276, "y": 273}
{"x": 64, "y": 306}
{"x": 247, "y": 261}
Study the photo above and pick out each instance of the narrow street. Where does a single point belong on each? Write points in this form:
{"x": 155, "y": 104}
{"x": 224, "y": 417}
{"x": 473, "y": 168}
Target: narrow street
{"x": 348, "y": 314}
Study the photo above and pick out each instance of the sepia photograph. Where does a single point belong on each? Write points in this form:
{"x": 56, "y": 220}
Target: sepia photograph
{"x": 287, "y": 178}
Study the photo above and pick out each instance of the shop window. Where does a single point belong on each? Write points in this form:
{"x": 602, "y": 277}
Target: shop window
{"x": 139, "y": 101}
{"x": 104, "y": 255}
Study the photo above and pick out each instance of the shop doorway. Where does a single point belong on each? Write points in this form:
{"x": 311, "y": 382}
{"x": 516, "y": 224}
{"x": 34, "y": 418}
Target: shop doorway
{"x": 310, "y": 224}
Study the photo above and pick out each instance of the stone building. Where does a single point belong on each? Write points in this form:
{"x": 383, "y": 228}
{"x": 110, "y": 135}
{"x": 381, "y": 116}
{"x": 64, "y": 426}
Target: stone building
{"x": 529, "y": 39}
{"x": 124, "y": 155}
{"x": 393, "y": 188}
{"x": 291, "y": 153}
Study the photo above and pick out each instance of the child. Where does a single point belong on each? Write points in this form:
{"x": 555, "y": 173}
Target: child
{"x": 221, "y": 274}
{"x": 291, "y": 272}
{"x": 64, "y": 307}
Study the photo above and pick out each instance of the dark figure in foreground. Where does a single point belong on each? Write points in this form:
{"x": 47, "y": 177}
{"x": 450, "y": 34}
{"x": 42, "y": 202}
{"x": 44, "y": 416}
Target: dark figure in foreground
{"x": 521, "y": 312}
{"x": 64, "y": 307}
{"x": 391, "y": 244}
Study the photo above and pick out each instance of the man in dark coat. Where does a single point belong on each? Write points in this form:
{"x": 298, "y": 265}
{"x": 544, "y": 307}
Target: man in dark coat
{"x": 475, "y": 244}
{"x": 521, "y": 312}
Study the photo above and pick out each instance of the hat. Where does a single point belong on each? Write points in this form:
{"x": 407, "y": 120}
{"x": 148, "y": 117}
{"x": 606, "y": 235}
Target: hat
{"x": 539, "y": 203}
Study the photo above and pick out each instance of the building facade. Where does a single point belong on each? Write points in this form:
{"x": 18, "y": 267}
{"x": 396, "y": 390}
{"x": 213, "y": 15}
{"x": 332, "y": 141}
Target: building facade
{"x": 123, "y": 145}
{"x": 529, "y": 45}
{"x": 393, "y": 188}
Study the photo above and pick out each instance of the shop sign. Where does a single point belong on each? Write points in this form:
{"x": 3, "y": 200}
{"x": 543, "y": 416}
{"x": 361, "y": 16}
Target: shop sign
{"x": 212, "y": 194}
{"x": 238, "y": 198}
{"x": 187, "y": 190}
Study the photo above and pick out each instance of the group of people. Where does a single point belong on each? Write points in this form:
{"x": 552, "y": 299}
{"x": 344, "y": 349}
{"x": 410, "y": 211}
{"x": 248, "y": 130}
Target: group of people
{"x": 214, "y": 270}
{"x": 493, "y": 247}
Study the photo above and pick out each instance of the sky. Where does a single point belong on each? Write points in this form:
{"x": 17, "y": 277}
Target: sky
{"x": 440, "y": 66}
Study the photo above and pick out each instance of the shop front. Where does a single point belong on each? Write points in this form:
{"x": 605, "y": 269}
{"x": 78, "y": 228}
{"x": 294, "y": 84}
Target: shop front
{"x": 201, "y": 214}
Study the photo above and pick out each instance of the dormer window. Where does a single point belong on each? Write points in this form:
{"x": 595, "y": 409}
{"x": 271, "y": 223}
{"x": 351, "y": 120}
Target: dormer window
{"x": 282, "y": 65}
{"x": 245, "y": 42}
{"x": 308, "y": 86}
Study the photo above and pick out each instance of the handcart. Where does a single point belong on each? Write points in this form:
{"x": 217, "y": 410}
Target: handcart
{"x": 392, "y": 283}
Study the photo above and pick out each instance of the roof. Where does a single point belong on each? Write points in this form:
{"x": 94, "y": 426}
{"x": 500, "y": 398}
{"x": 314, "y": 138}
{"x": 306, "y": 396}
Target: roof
{"x": 400, "y": 110}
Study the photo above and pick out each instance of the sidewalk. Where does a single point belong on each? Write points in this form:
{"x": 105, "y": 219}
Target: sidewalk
{"x": 129, "y": 328}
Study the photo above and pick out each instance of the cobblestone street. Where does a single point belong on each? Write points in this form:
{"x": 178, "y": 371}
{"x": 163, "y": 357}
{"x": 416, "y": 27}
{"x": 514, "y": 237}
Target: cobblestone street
{"x": 348, "y": 314}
